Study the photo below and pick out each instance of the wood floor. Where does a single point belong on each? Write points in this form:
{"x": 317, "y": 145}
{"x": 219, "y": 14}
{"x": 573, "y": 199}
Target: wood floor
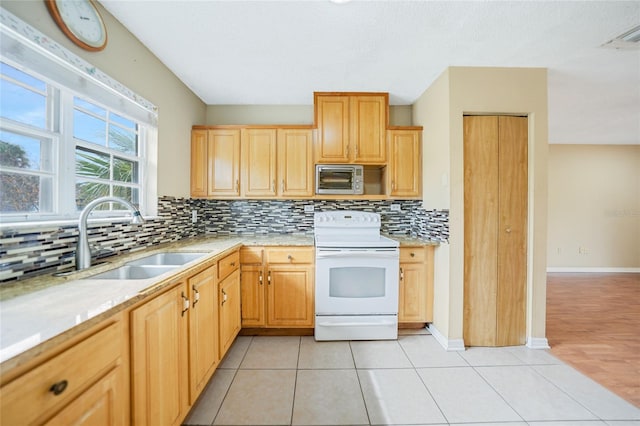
{"x": 593, "y": 324}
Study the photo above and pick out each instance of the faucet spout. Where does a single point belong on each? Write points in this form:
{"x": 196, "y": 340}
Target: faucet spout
{"x": 83, "y": 251}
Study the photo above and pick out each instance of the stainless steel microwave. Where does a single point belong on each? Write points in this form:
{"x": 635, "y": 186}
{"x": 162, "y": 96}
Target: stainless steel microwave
{"x": 339, "y": 179}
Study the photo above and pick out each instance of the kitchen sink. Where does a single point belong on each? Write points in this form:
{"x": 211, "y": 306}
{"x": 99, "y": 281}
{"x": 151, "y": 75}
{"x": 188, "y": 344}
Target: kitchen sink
{"x": 134, "y": 272}
{"x": 167, "y": 259}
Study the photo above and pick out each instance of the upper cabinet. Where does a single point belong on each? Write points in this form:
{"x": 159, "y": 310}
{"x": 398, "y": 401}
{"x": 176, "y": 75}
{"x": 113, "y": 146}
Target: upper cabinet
{"x": 405, "y": 162}
{"x": 215, "y": 162}
{"x": 351, "y": 127}
{"x": 277, "y": 162}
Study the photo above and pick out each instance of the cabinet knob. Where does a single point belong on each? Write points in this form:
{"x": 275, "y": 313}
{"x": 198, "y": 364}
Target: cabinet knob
{"x": 412, "y": 254}
{"x": 290, "y": 257}
{"x": 59, "y": 387}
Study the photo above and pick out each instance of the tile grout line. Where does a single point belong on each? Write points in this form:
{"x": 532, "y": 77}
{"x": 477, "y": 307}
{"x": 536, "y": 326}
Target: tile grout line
{"x": 355, "y": 369}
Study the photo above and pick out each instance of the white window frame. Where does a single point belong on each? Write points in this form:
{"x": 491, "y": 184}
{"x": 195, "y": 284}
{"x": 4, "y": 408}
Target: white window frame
{"x": 24, "y": 48}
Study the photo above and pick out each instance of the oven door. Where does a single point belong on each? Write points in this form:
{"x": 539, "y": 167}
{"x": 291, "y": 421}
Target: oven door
{"x": 357, "y": 281}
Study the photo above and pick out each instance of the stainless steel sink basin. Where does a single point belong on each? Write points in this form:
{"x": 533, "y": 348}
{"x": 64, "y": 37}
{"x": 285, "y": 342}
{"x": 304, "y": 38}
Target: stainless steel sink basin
{"x": 168, "y": 258}
{"x": 134, "y": 272}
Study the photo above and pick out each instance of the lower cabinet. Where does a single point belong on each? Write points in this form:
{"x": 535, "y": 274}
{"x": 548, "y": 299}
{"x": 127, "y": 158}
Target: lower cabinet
{"x": 85, "y": 384}
{"x": 229, "y": 310}
{"x": 277, "y": 285}
{"x": 416, "y": 285}
{"x": 178, "y": 339}
{"x": 203, "y": 330}
{"x": 159, "y": 359}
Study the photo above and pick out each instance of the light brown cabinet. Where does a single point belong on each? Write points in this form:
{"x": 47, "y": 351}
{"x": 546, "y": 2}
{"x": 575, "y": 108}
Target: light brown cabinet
{"x": 159, "y": 359}
{"x": 228, "y": 301}
{"x": 495, "y": 230}
{"x": 351, "y": 127}
{"x": 215, "y": 162}
{"x": 416, "y": 284}
{"x": 203, "y": 330}
{"x": 83, "y": 384}
{"x": 404, "y": 170}
{"x": 178, "y": 339}
{"x": 277, "y": 287}
{"x": 277, "y": 162}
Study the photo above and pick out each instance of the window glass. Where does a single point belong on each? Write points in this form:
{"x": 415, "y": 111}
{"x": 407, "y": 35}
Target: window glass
{"x": 123, "y": 140}
{"x": 22, "y": 97}
{"x": 89, "y": 128}
{"x": 92, "y": 164}
{"x": 23, "y": 152}
{"x": 20, "y": 193}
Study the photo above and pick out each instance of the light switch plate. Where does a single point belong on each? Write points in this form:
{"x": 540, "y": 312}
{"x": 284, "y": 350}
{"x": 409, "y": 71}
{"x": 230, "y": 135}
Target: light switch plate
{"x": 396, "y": 208}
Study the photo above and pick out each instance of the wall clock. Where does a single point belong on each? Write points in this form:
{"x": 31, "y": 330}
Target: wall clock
{"x": 80, "y": 21}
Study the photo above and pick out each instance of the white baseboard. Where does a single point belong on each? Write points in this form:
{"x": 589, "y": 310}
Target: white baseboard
{"x": 447, "y": 344}
{"x": 538, "y": 343}
{"x": 592, "y": 269}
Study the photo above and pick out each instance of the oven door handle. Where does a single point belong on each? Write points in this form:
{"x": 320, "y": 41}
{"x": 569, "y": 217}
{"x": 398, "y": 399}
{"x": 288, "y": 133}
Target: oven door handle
{"x": 358, "y": 324}
{"x": 358, "y": 253}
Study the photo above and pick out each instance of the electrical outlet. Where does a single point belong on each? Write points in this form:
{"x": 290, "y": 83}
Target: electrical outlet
{"x": 308, "y": 208}
{"x": 583, "y": 250}
{"x": 396, "y": 208}
{"x": 194, "y": 216}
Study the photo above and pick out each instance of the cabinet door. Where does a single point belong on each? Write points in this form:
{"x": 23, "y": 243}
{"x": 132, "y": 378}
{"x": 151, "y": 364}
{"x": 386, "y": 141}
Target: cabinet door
{"x": 258, "y": 162}
{"x": 368, "y": 124}
{"x": 223, "y": 155}
{"x": 203, "y": 330}
{"x": 290, "y": 294}
{"x": 199, "y": 161}
{"x": 332, "y": 121}
{"x": 295, "y": 162}
{"x": 405, "y": 165}
{"x": 95, "y": 406}
{"x": 159, "y": 366}
{"x": 252, "y": 293}
{"x": 412, "y": 293}
{"x": 229, "y": 310}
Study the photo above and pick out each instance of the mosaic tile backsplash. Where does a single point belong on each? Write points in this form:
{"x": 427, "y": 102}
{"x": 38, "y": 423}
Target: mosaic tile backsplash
{"x": 27, "y": 252}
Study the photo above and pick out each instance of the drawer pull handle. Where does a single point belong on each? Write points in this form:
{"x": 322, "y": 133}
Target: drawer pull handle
{"x": 58, "y": 388}
{"x": 260, "y": 278}
{"x": 233, "y": 264}
{"x": 290, "y": 257}
{"x": 401, "y": 274}
{"x": 269, "y": 278}
{"x": 224, "y": 297}
{"x": 413, "y": 254}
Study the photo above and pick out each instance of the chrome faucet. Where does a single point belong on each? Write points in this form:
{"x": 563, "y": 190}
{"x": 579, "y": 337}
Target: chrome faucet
{"x": 83, "y": 251}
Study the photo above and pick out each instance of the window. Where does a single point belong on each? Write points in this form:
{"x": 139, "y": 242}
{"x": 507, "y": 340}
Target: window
{"x": 106, "y": 148}
{"x": 68, "y": 133}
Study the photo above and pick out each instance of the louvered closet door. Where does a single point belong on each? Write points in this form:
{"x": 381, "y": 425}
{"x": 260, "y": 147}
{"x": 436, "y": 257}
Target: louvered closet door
{"x": 495, "y": 236}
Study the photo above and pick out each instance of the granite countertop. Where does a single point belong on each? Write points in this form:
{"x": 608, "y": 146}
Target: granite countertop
{"x": 35, "y": 310}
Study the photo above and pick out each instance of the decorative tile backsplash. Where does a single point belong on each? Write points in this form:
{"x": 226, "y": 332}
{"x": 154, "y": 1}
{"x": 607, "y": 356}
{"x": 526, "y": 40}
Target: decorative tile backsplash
{"x": 29, "y": 252}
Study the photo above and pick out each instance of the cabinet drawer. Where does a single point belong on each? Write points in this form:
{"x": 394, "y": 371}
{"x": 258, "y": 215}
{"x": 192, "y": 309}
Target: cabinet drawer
{"x": 27, "y": 398}
{"x": 413, "y": 255}
{"x": 228, "y": 264}
{"x": 251, "y": 255}
{"x": 290, "y": 255}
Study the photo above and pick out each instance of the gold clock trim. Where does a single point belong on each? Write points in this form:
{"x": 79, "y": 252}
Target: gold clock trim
{"x": 55, "y": 14}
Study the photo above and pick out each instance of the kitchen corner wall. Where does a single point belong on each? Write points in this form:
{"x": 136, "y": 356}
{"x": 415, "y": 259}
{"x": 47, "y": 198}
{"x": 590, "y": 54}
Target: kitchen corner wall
{"x": 32, "y": 251}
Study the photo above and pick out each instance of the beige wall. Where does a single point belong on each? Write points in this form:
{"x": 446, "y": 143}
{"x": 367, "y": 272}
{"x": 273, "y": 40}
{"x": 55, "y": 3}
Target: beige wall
{"x": 399, "y": 115}
{"x": 473, "y": 90}
{"x": 594, "y": 207}
{"x": 132, "y": 64}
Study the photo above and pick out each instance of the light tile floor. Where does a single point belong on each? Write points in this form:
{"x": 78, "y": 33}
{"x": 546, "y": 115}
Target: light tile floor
{"x": 411, "y": 381}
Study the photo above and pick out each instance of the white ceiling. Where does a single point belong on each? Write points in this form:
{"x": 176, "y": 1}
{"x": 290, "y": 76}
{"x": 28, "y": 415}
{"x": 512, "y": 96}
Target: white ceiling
{"x": 280, "y": 52}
